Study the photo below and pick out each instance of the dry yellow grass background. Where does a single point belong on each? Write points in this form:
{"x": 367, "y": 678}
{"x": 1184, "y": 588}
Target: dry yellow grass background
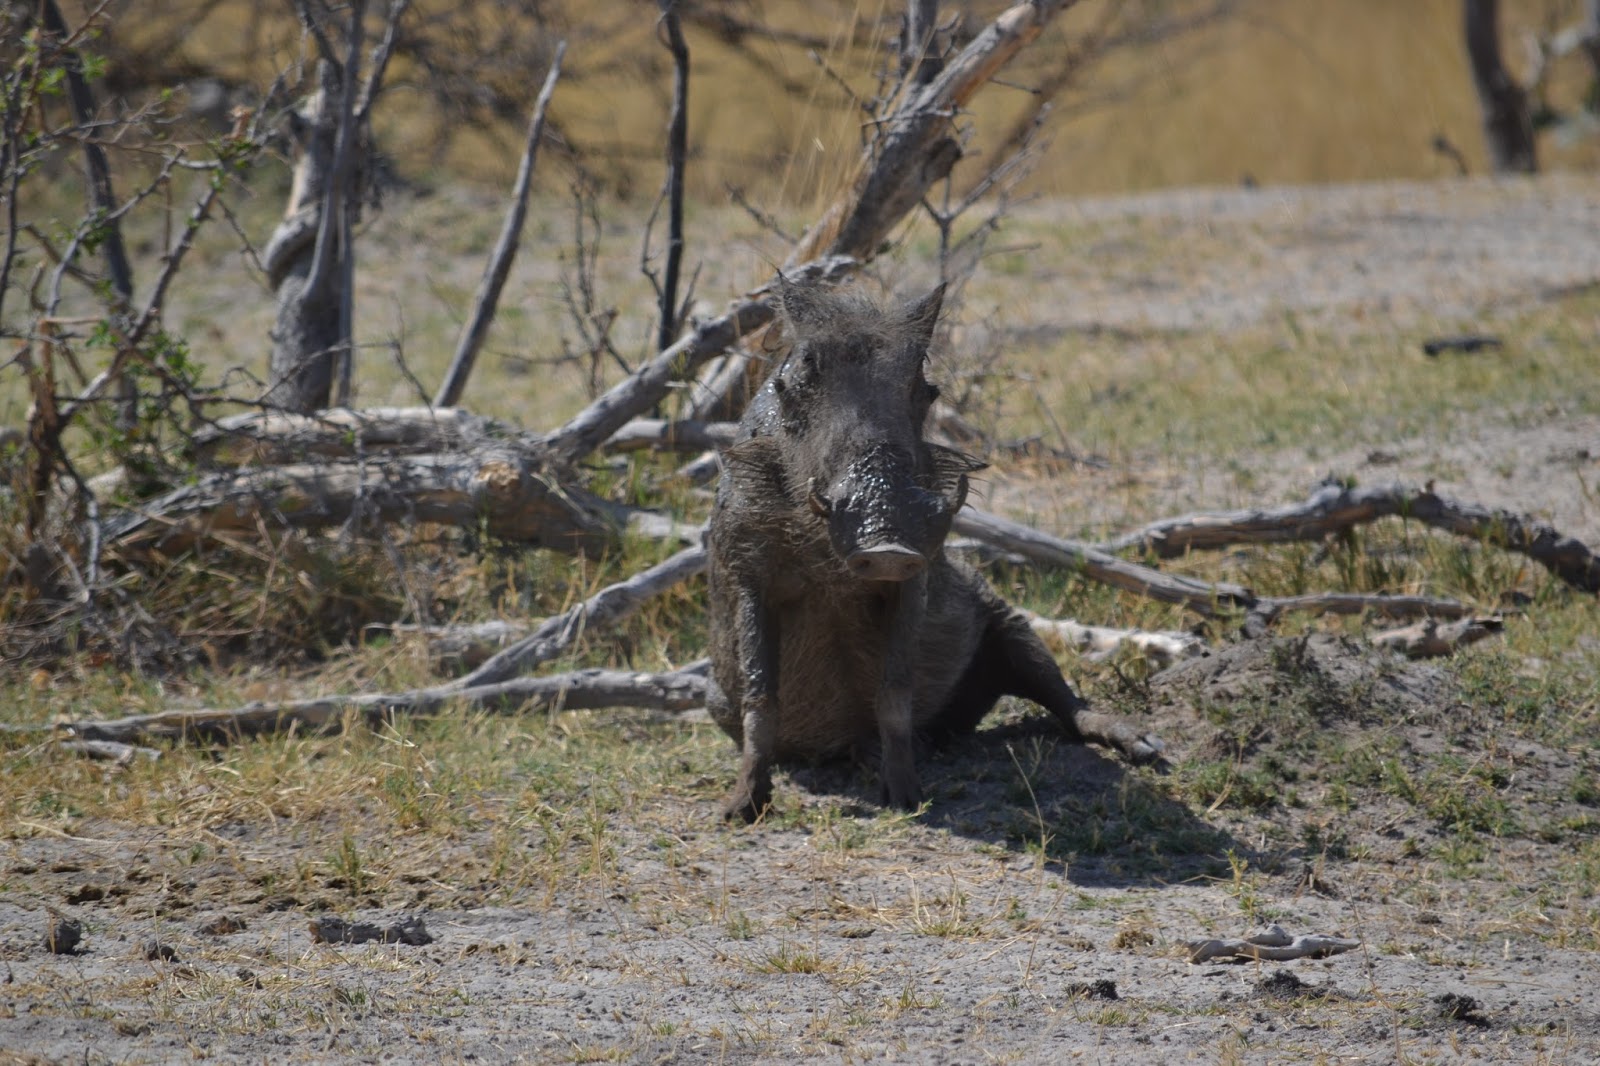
{"x": 1285, "y": 91}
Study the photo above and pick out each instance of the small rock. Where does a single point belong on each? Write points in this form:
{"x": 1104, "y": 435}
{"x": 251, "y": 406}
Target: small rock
{"x": 1281, "y": 984}
{"x": 61, "y": 936}
{"x": 156, "y": 951}
{"x": 1459, "y": 1008}
{"x": 1101, "y": 989}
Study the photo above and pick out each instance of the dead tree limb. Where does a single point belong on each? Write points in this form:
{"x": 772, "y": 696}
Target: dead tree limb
{"x": 487, "y": 300}
{"x": 1268, "y": 610}
{"x": 676, "y": 690}
{"x": 1429, "y": 639}
{"x": 1100, "y": 642}
{"x": 917, "y": 146}
{"x": 466, "y": 643}
{"x": 1334, "y": 508}
{"x": 648, "y": 385}
{"x": 272, "y": 438}
{"x": 660, "y": 434}
{"x": 1507, "y": 120}
{"x": 1272, "y": 945}
{"x": 514, "y": 498}
{"x": 606, "y": 607}
{"x": 677, "y": 160}
{"x": 1199, "y": 596}
{"x": 98, "y": 187}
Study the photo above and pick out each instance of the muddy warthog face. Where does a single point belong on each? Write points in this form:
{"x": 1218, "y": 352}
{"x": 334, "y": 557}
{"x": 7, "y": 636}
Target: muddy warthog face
{"x": 852, "y": 397}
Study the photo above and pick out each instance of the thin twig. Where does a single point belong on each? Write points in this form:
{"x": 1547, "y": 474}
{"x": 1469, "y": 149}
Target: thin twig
{"x": 487, "y": 300}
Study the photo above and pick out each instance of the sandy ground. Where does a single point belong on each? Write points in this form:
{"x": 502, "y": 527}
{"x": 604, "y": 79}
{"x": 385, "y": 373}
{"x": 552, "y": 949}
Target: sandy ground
{"x": 949, "y": 940}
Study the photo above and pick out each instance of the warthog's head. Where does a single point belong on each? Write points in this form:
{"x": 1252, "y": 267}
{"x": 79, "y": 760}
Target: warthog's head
{"x": 851, "y": 400}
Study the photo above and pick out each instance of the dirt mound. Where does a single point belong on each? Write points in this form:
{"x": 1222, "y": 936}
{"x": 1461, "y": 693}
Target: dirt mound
{"x": 1281, "y": 688}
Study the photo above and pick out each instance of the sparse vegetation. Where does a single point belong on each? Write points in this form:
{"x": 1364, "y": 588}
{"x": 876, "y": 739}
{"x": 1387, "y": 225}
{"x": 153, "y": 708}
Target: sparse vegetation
{"x": 586, "y": 908}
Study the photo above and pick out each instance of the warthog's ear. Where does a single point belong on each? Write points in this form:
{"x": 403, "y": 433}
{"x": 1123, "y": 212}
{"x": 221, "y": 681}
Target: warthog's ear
{"x": 803, "y": 304}
{"x": 921, "y": 317}
{"x": 950, "y": 470}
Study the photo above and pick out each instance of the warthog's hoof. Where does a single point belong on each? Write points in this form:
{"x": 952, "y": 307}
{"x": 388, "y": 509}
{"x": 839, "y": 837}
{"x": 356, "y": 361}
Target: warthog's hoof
{"x": 1147, "y": 750}
{"x": 746, "y": 805}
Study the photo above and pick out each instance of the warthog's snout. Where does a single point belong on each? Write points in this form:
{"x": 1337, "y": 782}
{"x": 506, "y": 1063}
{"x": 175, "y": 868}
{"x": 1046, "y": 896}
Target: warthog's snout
{"x": 887, "y": 562}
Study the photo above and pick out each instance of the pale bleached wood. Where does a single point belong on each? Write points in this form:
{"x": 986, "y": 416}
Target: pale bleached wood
{"x": 1270, "y": 945}
{"x": 1430, "y": 639}
{"x": 606, "y": 607}
{"x": 1100, "y": 642}
{"x": 1200, "y": 596}
{"x": 676, "y": 690}
{"x": 661, "y": 434}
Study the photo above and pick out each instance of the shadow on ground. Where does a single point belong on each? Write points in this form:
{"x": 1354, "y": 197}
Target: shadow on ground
{"x": 1018, "y": 785}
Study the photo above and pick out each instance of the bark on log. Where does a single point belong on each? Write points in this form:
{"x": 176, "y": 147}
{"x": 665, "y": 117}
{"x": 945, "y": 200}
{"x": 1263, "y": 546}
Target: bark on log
{"x": 272, "y": 438}
{"x": 1334, "y": 508}
{"x": 108, "y": 750}
{"x": 674, "y": 691}
{"x": 491, "y": 484}
{"x": 1270, "y": 945}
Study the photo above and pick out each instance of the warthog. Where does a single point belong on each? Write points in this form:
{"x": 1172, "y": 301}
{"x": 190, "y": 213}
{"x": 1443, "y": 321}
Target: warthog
{"x": 837, "y": 622}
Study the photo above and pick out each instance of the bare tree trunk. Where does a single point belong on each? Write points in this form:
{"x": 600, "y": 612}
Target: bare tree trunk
{"x": 309, "y": 259}
{"x": 306, "y": 336}
{"x": 1507, "y": 123}
{"x": 102, "y": 199}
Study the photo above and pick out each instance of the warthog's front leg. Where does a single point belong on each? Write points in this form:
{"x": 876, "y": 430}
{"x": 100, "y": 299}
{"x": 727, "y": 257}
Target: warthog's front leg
{"x": 901, "y": 786}
{"x": 757, "y": 633}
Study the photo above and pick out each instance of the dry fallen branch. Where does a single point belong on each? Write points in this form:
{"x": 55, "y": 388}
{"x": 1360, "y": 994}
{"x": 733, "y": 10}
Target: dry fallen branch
{"x": 489, "y": 684}
{"x": 1272, "y": 945}
{"x": 108, "y": 750}
{"x": 1099, "y": 642}
{"x": 677, "y": 690}
{"x": 649, "y": 385}
{"x": 490, "y": 483}
{"x": 468, "y": 643}
{"x": 271, "y": 438}
{"x": 1199, "y": 596}
{"x": 611, "y": 604}
{"x": 1334, "y": 508}
{"x": 660, "y": 434}
{"x": 1429, "y": 639}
